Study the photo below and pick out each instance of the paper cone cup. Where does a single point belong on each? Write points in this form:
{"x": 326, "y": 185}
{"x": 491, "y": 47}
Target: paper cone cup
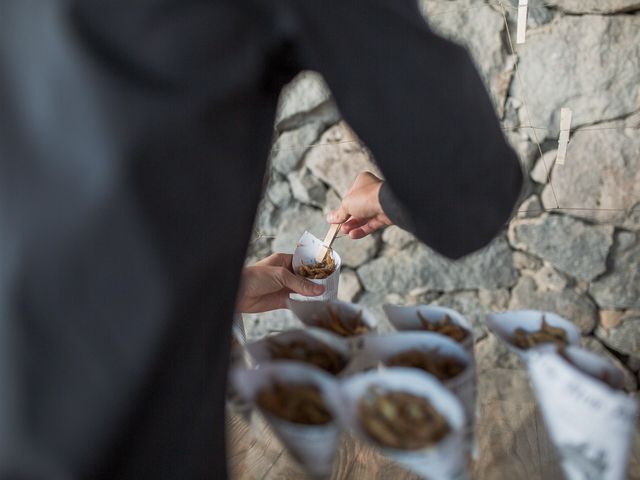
{"x": 312, "y": 446}
{"x": 314, "y": 337}
{"x": 590, "y": 423}
{"x": 315, "y": 314}
{"x": 406, "y": 318}
{"x": 305, "y": 253}
{"x": 443, "y": 461}
{"x": 503, "y": 325}
{"x": 376, "y": 350}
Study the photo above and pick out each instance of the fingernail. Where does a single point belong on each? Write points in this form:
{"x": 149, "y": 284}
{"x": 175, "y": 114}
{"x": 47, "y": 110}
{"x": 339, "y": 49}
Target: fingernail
{"x": 330, "y": 217}
{"x": 317, "y": 289}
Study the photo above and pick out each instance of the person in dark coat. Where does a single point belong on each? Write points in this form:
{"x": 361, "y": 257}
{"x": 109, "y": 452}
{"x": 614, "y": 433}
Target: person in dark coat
{"x": 133, "y": 143}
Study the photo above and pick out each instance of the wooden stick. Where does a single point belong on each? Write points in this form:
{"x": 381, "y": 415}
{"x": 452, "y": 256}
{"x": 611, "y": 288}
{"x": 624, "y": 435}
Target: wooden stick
{"x": 328, "y": 241}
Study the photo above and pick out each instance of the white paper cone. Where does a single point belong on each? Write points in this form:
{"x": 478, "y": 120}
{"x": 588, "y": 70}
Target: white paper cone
{"x": 590, "y": 423}
{"x": 305, "y": 253}
{"x": 444, "y": 461}
{"x": 261, "y": 354}
{"x": 504, "y": 325}
{"x": 405, "y": 317}
{"x": 377, "y": 350}
{"x": 313, "y": 314}
{"x": 313, "y": 446}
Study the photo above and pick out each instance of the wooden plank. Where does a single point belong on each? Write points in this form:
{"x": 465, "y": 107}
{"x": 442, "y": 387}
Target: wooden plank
{"x": 512, "y": 440}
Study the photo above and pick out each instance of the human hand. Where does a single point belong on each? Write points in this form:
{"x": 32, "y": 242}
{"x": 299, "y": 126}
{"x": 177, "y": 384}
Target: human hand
{"x": 360, "y": 211}
{"x": 266, "y": 285}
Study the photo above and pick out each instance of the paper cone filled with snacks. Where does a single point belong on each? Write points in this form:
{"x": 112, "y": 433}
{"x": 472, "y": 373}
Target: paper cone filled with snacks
{"x": 432, "y": 353}
{"x": 525, "y": 330}
{"x": 589, "y": 417}
{"x": 409, "y": 416}
{"x": 431, "y": 318}
{"x": 325, "y": 273}
{"x": 295, "y": 400}
{"x": 312, "y": 346}
{"x": 344, "y": 319}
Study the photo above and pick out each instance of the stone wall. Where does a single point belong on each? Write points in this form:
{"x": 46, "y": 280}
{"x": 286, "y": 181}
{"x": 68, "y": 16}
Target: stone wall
{"x": 574, "y": 246}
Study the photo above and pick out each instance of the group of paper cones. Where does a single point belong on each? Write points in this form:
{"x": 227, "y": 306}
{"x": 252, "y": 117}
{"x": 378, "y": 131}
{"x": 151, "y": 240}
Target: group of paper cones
{"x": 590, "y": 421}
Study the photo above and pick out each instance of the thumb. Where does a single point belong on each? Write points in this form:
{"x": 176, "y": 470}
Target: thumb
{"x": 299, "y": 284}
{"x": 338, "y": 216}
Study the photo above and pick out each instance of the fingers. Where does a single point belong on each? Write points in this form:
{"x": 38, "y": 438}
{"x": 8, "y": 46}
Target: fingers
{"x": 273, "y": 301}
{"x": 360, "y": 202}
{"x": 366, "y": 229}
{"x": 352, "y": 223}
{"x": 277, "y": 260}
{"x": 338, "y": 216}
{"x": 298, "y": 284}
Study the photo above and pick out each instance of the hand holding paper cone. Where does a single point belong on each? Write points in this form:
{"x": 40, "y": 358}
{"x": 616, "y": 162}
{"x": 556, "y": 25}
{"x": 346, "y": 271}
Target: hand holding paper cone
{"x": 266, "y": 285}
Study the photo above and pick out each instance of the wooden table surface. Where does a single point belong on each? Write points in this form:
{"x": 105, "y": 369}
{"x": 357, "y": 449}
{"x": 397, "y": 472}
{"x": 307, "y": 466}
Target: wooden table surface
{"x": 510, "y": 433}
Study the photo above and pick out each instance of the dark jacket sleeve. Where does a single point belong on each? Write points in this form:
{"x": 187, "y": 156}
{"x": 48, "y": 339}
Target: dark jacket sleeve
{"x": 393, "y": 209}
{"x": 419, "y": 104}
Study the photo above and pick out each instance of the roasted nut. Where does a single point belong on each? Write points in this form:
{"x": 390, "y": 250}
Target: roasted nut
{"x": 547, "y": 334}
{"x": 444, "y": 327}
{"x": 345, "y": 327}
{"x": 318, "y": 270}
{"x": 296, "y": 403}
{"x": 401, "y": 420}
{"x": 312, "y": 352}
{"x": 433, "y": 362}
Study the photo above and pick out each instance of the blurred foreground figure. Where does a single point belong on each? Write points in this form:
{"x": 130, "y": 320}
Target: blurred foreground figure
{"x": 133, "y": 139}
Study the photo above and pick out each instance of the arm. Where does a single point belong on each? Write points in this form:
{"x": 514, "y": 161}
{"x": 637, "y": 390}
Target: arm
{"x": 418, "y": 103}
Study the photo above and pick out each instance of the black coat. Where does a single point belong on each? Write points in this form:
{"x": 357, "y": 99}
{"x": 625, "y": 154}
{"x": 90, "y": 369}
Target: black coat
{"x": 133, "y": 140}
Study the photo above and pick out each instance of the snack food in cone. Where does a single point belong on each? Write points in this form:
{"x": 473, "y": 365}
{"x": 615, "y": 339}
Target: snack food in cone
{"x": 341, "y": 324}
{"x": 318, "y": 270}
{"x": 399, "y": 419}
{"x": 312, "y": 346}
{"x": 297, "y": 401}
{"x": 442, "y": 367}
{"x": 436, "y": 354}
{"x": 526, "y": 330}
{"x": 344, "y": 319}
{"x": 445, "y": 327}
{"x": 326, "y": 273}
{"x": 546, "y": 334}
{"x": 431, "y": 318}
{"x": 410, "y": 417}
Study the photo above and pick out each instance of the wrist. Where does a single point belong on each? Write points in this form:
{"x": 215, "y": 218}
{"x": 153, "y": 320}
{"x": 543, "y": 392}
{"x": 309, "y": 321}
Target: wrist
{"x": 392, "y": 209}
